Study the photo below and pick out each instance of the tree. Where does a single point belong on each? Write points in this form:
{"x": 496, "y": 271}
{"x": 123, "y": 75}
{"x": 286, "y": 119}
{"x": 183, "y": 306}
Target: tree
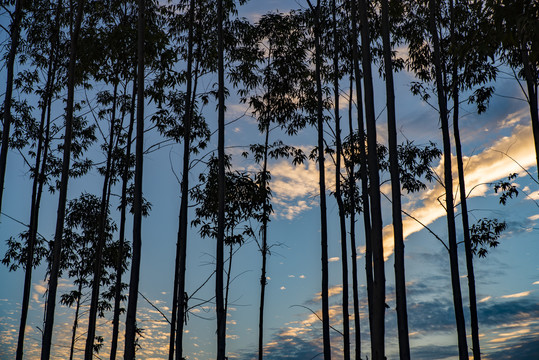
{"x": 15, "y": 35}
{"x": 378, "y": 301}
{"x": 130, "y": 322}
{"x": 448, "y": 183}
{"x": 57, "y": 247}
{"x": 400, "y": 279}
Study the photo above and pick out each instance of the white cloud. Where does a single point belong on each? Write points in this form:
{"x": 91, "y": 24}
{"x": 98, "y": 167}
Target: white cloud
{"x": 517, "y": 295}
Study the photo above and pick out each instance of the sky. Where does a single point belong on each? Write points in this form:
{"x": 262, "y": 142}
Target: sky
{"x": 495, "y": 144}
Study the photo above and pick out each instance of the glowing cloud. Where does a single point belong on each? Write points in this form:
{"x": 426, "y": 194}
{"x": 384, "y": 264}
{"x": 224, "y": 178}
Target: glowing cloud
{"x": 518, "y": 295}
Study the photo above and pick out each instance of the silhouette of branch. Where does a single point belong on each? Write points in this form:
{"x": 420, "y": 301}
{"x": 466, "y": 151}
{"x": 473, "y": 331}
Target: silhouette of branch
{"x": 155, "y": 307}
{"x": 315, "y": 314}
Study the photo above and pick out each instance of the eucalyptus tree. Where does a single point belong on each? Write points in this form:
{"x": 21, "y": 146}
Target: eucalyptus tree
{"x": 243, "y": 204}
{"x": 378, "y": 295}
{"x": 338, "y": 193}
{"x": 130, "y": 322}
{"x": 317, "y": 29}
{"x": 400, "y": 279}
{"x": 276, "y": 76}
{"x": 362, "y": 162}
{"x": 15, "y": 30}
{"x": 53, "y": 281}
{"x": 82, "y": 235}
{"x": 515, "y": 28}
{"x": 448, "y": 179}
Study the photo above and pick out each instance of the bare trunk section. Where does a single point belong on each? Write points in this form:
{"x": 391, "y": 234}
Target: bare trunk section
{"x": 75, "y": 323}
{"x": 351, "y": 184}
{"x": 400, "y": 279}
{"x": 378, "y": 296}
{"x": 264, "y": 249}
{"x": 57, "y": 246}
{"x": 448, "y": 182}
{"x": 131, "y": 317}
{"x": 463, "y": 202}
{"x": 338, "y": 194}
{"x": 363, "y": 167}
{"x": 15, "y": 35}
{"x": 183, "y": 220}
{"x": 322, "y": 184}
{"x": 221, "y": 315}
{"x": 531, "y": 83}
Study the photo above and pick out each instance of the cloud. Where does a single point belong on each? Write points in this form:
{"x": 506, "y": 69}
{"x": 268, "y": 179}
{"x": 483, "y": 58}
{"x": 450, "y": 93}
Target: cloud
{"x": 518, "y": 295}
{"x": 334, "y": 259}
{"x": 490, "y": 165}
{"x": 534, "y": 217}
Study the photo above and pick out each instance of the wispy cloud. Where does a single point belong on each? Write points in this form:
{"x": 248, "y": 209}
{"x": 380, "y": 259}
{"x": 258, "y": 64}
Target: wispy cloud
{"x": 518, "y": 295}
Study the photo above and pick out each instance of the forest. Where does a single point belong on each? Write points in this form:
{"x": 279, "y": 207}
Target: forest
{"x": 199, "y": 179}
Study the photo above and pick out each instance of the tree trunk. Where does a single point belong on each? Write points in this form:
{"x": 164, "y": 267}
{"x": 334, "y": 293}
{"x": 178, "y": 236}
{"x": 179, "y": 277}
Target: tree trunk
{"x": 378, "y": 300}
{"x": 15, "y": 35}
{"x": 400, "y": 279}
{"x": 531, "y": 83}
{"x": 221, "y": 315}
{"x": 363, "y": 167}
{"x": 37, "y": 187}
{"x": 131, "y": 317}
{"x": 183, "y": 220}
{"x": 352, "y": 183}
{"x": 75, "y": 323}
{"x": 98, "y": 261}
{"x": 264, "y": 250}
{"x": 57, "y": 246}
{"x": 463, "y": 202}
{"x": 338, "y": 194}
{"x": 322, "y": 184}
{"x": 448, "y": 181}
{"x": 123, "y": 206}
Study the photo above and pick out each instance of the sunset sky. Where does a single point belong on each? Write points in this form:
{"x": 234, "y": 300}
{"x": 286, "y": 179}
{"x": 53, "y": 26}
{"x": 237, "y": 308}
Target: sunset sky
{"x": 495, "y": 144}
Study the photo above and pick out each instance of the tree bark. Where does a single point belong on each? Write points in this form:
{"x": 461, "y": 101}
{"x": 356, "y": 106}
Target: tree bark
{"x": 264, "y": 249}
{"x": 15, "y": 35}
{"x": 338, "y": 194}
{"x": 98, "y": 261}
{"x": 363, "y": 167}
{"x": 183, "y": 220}
{"x": 378, "y": 300}
{"x": 351, "y": 184}
{"x": 221, "y": 315}
{"x": 57, "y": 246}
{"x": 322, "y": 187}
{"x": 448, "y": 182}
{"x": 531, "y": 83}
{"x": 131, "y": 321}
{"x": 400, "y": 279}
{"x": 37, "y": 187}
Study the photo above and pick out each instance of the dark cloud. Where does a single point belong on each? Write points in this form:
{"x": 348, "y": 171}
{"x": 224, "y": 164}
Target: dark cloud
{"x": 432, "y": 352}
{"x": 526, "y": 349}
{"x": 285, "y": 347}
{"x": 508, "y": 311}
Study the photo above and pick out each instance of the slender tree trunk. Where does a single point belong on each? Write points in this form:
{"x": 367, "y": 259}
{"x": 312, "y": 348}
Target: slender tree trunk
{"x": 227, "y": 287}
{"x": 75, "y": 323}
{"x": 264, "y": 250}
{"x": 338, "y": 194}
{"x": 531, "y": 83}
{"x": 363, "y": 165}
{"x": 131, "y": 317}
{"x": 322, "y": 184}
{"x": 183, "y": 223}
{"x": 400, "y": 279}
{"x": 378, "y": 301}
{"x": 98, "y": 261}
{"x": 352, "y": 184}
{"x": 463, "y": 202}
{"x": 448, "y": 181}
{"x": 221, "y": 315}
{"x": 57, "y": 246}
{"x": 119, "y": 263}
{"x": 37, "y": 187}
{"x": 15, "y": 35}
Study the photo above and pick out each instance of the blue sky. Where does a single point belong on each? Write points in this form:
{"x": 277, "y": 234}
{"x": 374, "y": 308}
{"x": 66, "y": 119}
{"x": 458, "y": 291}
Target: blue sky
{"x": 507, "y": 280}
